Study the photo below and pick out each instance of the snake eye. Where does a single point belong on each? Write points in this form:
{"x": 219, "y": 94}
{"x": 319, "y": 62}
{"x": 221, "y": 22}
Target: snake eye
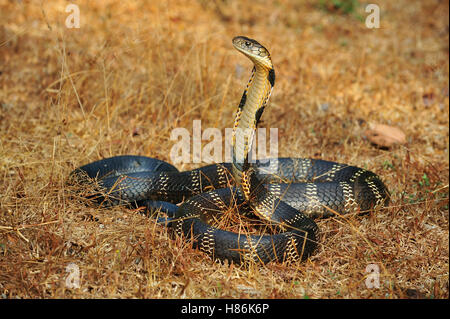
{"x": 248, "y": 44}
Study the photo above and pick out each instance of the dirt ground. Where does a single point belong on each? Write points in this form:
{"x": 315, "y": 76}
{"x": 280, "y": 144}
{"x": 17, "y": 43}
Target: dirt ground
{"x": 135, "y": 70}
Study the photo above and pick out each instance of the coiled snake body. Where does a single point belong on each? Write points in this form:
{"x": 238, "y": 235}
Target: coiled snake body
{"x": 286, "y": 192}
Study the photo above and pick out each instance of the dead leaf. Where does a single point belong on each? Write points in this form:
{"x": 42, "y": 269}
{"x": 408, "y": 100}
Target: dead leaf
{"x": 414, "y": 294}
{"x": 385, "y": 135}
{"x": 376, "y": 241}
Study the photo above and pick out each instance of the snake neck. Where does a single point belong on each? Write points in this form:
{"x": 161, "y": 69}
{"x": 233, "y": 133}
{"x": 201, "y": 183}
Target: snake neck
{"x": 253, "y": 101}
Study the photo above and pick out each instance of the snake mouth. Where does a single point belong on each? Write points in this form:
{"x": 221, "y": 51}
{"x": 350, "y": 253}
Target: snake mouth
{"x": 253, "y": 50}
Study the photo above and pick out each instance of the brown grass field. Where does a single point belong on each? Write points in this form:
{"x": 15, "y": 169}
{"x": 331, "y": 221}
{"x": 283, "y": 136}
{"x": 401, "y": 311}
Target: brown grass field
{"x": 135, "y": 70}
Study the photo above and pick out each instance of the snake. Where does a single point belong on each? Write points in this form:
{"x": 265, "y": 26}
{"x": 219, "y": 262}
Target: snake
{"x": 288, "y": 194}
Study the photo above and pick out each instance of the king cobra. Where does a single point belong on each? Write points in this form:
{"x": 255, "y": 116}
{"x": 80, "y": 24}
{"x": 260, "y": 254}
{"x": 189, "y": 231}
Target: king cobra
{"x": 288, "y": 193}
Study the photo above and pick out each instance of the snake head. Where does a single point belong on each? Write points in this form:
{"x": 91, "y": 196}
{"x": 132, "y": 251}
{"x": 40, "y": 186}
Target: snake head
{"x": 254, "y": 51}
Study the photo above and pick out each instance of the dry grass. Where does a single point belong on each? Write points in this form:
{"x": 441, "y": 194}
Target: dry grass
{"x": 135, "y": 70}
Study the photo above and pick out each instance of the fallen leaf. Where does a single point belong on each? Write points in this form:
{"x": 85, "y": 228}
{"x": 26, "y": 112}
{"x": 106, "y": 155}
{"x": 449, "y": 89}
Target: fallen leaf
{"x": 376, "y": 241}
{"x": 385, "y": 135}
{"x": 414, "y": 294}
